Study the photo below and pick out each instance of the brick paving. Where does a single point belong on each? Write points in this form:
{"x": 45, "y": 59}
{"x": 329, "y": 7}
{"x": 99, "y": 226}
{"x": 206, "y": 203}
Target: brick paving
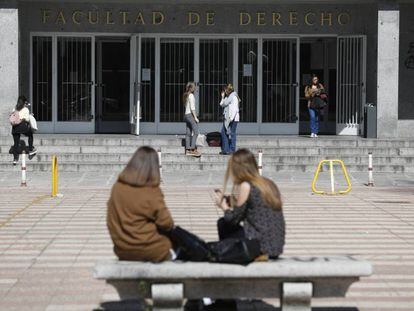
{"x": 48, "y": 246}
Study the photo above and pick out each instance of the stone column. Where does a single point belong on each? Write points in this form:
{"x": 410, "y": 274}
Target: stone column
{"x": 388, "y": 62}
{"x": 9, "y": 65}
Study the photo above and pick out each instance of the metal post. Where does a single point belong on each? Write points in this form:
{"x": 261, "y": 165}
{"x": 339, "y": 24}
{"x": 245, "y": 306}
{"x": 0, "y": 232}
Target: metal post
{"x": 260, "y": 165}
{"x": 23, "y": 183}
{"x": 160, "y": 161}
{"x": 370, "y": 177}
{"x": 54, "y": 176}
{"x": 332, "y": 177}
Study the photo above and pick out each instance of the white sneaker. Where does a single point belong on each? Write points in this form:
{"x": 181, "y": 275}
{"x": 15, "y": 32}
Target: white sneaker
{"x": 312, "y": 135}
{"x": 315, "y": 135}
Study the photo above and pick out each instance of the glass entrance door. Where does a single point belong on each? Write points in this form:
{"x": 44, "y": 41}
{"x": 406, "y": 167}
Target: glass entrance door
{"x": 215, "y": 71}
{"x": 176, "y": 69}
{"x": 112, "y": 85}
{"x": 351, "y": 84}
{"x": 280, "y": 86}
{"x": 75, "y": 91}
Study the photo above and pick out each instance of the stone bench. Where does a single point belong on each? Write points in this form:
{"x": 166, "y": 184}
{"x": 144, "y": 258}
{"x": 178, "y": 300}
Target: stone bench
{"x": 294, "y": 279}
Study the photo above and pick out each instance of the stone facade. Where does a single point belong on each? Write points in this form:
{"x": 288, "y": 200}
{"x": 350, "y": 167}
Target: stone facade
{"x": 9, "y": 65}
{"x": 392, "y": 62}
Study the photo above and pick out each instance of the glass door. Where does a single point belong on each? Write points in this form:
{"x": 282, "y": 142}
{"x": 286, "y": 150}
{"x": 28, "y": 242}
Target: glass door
{"x": 75, "y": 111}
{"x": 215, "y": 71}
{"x": 351, "y": 84}
{"x": 112, "y": 85}
{"x": 176, "y": 69}
{"x": 279, "y": 85}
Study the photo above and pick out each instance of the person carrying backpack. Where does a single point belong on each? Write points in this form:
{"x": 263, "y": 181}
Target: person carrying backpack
{"x": 20, "y": 122}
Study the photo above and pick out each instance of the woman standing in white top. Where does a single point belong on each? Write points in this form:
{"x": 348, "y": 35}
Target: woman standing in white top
{"x": 191, "y": 120}
{"x": 230, "y": 104}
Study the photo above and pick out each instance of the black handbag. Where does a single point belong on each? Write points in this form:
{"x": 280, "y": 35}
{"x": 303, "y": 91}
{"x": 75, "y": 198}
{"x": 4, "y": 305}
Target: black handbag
{"x": 188, "y": 246}
{"x": 318, "y": 103}
{"x": 237, "y": 251}
{"x": 213, "y": 139}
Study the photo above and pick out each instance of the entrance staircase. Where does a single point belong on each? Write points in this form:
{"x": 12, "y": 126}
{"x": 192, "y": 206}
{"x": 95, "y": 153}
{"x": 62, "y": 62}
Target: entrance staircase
{"x": 80, "y": 153}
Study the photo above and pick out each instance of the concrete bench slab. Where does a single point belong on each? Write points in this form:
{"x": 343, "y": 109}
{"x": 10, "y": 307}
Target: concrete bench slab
{"x": 294, "y": 279}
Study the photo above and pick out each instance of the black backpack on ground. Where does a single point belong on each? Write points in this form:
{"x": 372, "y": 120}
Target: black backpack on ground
{"x": 213, "y": 139}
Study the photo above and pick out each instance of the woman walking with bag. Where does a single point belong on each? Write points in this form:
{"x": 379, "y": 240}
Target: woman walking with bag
{"x": 255, "y": 202}
{"x": 191, "y": 121}
{"x": 20, "y": 121}
{"x": 230, "y": 103}
{"x": 316, "y": 96}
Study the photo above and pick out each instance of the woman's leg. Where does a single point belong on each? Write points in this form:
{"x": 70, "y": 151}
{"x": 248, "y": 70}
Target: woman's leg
{"x": 187, "y": 133}
{"x": 16, "y": 147}
{"x": 224, "y": 141}
{"x": 233, "y": 128}
{"x": 316, "y": 121}
{"x": 195, "y": 133}
{"x": 312, "y": 120}
{"x": 227, "y": 230}
{"x": 30, "y": 139}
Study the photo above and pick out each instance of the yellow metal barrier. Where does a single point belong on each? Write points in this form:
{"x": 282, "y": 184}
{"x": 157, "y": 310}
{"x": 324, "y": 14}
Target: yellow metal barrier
{"x": 54, "y": 176}
{"x": 331, "y": 162}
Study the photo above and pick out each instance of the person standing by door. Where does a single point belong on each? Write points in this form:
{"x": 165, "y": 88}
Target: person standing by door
{"x": 312, "y": 94}
{"x": 191, "y": 121}
{"x": 230, "y": 103}
{"x": 20, "y": 121}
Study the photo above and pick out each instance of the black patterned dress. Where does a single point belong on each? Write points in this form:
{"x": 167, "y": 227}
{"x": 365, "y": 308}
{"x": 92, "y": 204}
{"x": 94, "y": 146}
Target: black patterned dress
{"x": 261, "y": 222}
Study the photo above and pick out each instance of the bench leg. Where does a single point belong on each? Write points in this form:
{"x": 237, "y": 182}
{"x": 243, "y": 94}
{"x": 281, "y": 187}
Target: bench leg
{"x": 297, "y": 297}
{"x": 167, "y": 297}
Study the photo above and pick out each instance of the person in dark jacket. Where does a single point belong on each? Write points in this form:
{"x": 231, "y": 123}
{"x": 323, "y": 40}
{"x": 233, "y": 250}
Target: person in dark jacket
{"x": 255, "y": 202}
{"x": 23, "y": 127}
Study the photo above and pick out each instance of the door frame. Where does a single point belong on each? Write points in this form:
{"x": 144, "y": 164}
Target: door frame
{"x": 244, "y": 127}
{"x": 353, "y": 129}
{"x": 157, "y": 127}
{"x": 55, "y": 126}
{"x": 111, "y": 126}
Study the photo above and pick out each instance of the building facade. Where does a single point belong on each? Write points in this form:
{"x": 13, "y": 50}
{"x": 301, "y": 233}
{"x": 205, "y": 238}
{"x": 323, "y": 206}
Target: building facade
{"x": 121, "y": 66}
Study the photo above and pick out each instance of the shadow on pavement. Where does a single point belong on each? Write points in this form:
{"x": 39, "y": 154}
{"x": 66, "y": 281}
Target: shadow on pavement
{"x": 255, "y": 305}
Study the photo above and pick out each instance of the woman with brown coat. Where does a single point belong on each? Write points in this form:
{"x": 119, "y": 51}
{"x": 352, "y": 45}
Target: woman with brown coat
{"x": 137, "y": 216}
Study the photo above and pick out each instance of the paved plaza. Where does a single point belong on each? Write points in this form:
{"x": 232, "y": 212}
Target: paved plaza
{"x": 49, "y": 245}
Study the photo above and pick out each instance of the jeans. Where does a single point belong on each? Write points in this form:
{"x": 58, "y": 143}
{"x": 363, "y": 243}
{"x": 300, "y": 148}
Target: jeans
{"x": 314, "y": 120}
{"x": 191, "y": 131}
{"x": 16, "y": 145}
{"x": 228, "y": 142}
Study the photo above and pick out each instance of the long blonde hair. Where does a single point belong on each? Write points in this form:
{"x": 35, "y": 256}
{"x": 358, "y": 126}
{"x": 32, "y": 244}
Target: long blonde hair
{"x": 189, "y": 88}
{"x": 242, "y": 167}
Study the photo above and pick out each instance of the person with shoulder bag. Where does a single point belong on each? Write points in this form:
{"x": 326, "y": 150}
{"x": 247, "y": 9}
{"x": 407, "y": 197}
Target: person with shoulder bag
{"x": 254, "y": 209}
{"x": 317, "y": 100}
{"x": 20, "y": 122}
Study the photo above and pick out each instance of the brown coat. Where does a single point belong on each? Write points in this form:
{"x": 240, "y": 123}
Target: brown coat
{"x": 135, "y": 215}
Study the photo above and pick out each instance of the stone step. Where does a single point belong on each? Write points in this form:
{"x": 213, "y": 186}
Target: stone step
{"x": 208, "y": 158}
{"x": 192, "y": 166}
{"x": 243, "y": 141}
{"x": 294, "y": 150}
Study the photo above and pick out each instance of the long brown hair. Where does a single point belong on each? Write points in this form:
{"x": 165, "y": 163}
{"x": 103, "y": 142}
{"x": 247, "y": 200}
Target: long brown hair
{"x": 242, "y": 167}
{"x": 143, "y": 169}
{"x": 189, "y": 88}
